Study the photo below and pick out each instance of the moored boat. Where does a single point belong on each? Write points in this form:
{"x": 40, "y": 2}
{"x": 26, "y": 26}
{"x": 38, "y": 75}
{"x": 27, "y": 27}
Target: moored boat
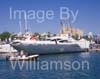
{"x": 51, "y": 45}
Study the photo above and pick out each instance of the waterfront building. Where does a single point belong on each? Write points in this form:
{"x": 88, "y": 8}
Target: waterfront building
{"x": 71, "y": 31}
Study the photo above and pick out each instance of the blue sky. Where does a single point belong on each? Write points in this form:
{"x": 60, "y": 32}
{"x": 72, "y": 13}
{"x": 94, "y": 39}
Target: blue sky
{"x": 88, "y": 18}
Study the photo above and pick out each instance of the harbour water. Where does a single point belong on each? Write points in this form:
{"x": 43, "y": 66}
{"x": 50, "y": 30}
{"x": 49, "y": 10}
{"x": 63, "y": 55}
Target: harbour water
{"x": 90, "y": 72}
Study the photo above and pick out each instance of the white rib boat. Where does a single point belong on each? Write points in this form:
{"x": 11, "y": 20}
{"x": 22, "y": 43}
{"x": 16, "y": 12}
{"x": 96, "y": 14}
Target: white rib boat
{"x": 19, "y": 58}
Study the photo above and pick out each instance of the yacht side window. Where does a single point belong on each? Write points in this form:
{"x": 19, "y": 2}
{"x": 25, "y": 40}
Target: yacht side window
{"x": 55, "y": 39}
{"x": 64, "y": 41}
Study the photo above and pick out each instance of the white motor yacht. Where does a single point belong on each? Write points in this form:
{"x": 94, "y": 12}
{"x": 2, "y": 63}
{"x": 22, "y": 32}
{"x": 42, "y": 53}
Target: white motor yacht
{"x": 51, "y": 45}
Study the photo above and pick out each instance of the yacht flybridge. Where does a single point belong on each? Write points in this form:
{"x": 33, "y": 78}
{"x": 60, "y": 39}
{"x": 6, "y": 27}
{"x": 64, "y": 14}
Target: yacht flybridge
{"x": 51, "y": 45}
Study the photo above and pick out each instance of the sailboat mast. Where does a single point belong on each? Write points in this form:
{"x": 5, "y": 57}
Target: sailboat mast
{"x": 20, "y": 26}
{"x": 26, "y": 26}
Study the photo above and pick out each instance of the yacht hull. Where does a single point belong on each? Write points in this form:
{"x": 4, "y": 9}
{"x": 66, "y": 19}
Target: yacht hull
{"x": 49, "y": 48}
